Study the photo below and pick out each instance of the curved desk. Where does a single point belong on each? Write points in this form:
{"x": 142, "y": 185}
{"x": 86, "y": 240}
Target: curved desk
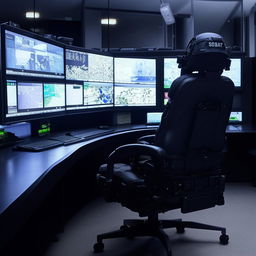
{"x": 27, "y": 177}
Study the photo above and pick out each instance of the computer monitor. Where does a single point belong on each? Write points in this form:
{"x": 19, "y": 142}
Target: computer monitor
{"x": 100, "y": 68}
{"x": 154, "y": 117}
{"x": 235, "y": 71}
{"x": 76, "y": 65}
{"x": 11, "y": 96}
{"x": 85, "y": 66}
{"x": 25, "y": 99}
{"x": 135, "y": 82}
{"x": 235, "y": 117}
{"x": 171, "y": 71}
{"x": 74, "y": 96}
{"x": 26, "y": 55}
{"x": 98, "y": 94}
{"x": 54, "y": 96}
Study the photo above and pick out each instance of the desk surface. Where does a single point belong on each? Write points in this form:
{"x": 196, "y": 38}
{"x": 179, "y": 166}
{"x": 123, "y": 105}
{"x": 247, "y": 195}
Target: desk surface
{"x": 22, "y": 170}
{"x": 23, "y": 173}
{"x": 27, "y": 177}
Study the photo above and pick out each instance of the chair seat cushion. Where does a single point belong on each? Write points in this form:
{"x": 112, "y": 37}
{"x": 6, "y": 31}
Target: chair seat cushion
{"x": 123, "y": 172}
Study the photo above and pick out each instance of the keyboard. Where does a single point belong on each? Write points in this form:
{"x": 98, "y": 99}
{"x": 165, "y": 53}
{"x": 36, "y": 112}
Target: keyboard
{"x": 39, "y": 145}
{"x": 91, "y": 134}
{"x": 66, "y": 139}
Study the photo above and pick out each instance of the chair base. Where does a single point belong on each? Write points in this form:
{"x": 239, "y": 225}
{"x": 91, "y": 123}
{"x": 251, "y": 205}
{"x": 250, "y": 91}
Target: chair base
{"x": 154, "y": 227}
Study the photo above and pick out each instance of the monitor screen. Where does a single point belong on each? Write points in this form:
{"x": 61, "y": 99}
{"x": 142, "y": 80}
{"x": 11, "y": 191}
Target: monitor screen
{"x": 96, "y": 93}
{"x": 74, "y": 96}
{"x": 100, "y": 68}
{"x": 82, "y": 66}
{"x": 30, "y": 98}
{"x": 28, "y": 56}
{"x": 135, "y": 82}
{"x": 235, "y": 117}
{"x": 54, "y": 95}
{"x": 11, "y": 97}
{"x": 235, "y": 72}
{"x": 76, "y": 65}
{"x": 154, "y": 117}
{"x": 171, "y": 71}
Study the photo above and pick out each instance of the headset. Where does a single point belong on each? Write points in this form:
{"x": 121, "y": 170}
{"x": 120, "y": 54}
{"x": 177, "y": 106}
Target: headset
{"x": 206, "y": 51}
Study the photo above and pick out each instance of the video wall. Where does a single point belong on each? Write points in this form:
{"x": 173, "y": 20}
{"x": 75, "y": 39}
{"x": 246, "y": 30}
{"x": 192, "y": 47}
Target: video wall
{"x": 42, "y": 77}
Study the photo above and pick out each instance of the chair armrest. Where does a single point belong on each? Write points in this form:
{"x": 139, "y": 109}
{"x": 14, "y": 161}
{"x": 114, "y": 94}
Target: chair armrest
{"x": 134, "y": 150}
{"x": 147, "y": 139}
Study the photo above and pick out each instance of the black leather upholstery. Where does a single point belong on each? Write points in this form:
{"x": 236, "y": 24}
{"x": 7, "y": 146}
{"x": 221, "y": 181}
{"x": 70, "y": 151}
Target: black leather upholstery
{"x": 194, "y": 122}
{"x": 181, "y": 166}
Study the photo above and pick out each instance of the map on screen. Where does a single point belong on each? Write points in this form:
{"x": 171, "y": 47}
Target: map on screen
{"x": 135, "y": 95}
{"x": 54, "y": 95}
{"x": 98, "y": 93}
{"x": 30, "y": 96}
{"x": 100, "y": 68}
{"x": 76, "y": 65}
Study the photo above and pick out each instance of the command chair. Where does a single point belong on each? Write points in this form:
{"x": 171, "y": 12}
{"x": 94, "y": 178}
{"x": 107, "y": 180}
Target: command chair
{"x": 180, "y": 166}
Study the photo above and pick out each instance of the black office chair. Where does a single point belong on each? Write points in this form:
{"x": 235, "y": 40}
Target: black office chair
{"x": 180, "y": 166}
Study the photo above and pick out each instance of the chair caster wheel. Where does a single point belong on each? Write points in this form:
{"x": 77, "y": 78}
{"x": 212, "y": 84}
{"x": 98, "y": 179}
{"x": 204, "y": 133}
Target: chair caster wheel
{"x": 224, "y": 239}
{"x": 98, "y": 247}
{"x": 124, "y": 228}
{"x": 180, "y": 230}
{"x": 169, "y": 253}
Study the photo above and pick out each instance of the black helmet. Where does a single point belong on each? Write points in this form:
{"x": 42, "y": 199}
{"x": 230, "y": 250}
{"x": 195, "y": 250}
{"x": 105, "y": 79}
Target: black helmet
{"x": 205, "y": 52}
{"x": 207, "y": 43}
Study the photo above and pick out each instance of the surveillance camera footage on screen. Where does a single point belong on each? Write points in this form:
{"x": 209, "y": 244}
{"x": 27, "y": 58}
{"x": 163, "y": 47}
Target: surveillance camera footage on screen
{"x": 29, "y": 56}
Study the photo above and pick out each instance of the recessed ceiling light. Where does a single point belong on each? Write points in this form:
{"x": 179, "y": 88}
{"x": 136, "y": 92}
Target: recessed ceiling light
{"x": 112, "y": 21}
{"x": 32, "y": 15}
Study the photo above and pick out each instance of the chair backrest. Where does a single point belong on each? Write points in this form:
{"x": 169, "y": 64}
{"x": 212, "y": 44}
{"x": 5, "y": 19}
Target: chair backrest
{"x": 192, "y": 129}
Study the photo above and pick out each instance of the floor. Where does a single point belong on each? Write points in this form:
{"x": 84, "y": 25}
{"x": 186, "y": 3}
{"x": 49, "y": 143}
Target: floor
{"x": 238, "y": 215}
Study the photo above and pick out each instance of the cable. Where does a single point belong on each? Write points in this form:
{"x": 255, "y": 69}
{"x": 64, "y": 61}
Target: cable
{"x": 108, "y": 25}
{"x": 34, "y": 7}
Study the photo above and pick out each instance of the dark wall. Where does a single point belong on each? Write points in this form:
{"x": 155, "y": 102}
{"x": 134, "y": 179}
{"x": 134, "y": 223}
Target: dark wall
{"x": 72, "y": 29}
{"x": 134, "y": 30}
